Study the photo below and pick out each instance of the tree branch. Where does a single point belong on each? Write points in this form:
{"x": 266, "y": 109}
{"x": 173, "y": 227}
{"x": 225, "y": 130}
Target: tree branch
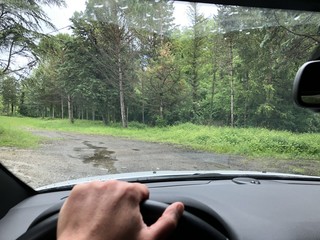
{"x": 9, "y": 58}
{"x": 295, "y": 33}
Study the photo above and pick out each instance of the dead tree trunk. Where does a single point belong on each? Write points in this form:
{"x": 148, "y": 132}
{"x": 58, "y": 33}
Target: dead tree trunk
{"x": 121, "y": 94}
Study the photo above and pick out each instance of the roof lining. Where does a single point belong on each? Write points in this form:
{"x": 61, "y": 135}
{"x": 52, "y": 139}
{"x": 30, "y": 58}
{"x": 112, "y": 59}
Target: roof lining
{"x": 305, "y": 5}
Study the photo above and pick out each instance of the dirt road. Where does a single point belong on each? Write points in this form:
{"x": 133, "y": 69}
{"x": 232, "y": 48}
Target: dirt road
{"x": 65, "y": 156}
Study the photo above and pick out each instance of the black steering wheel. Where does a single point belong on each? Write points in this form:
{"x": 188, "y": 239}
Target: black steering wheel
{"x": 45, "y": 225}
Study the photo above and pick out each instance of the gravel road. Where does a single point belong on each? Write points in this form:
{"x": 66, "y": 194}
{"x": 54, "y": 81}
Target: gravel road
{"x": 65, "y": 156}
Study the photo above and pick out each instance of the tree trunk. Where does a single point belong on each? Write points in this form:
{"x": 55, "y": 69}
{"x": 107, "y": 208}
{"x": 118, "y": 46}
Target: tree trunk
{"x": 108, "y": 116}
{"x": 231, "y": 85}
{"x": 105, "y": 119}
{"x": 121, "y": 91}
{"x": 246, "y": 99}
{"x": 161, "y": 108}
{"x": 143, "y": 107}
{"x": 70, "y": 109}
{"x": 143, "y": 103}
{"x": 127, "y": 115}
{"x": 212, "y": 95}
{"x": 93, "y": 115}
{"x": 194, "y": 85}
{"x": 53, "y": 113}
{"x": 62, "y": 106}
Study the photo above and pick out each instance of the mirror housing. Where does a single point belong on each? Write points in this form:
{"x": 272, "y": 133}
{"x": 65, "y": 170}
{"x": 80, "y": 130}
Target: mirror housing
{"x": 306, "y": 86}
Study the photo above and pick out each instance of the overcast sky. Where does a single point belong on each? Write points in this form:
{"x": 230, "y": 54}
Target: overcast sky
{"x": 60, "y": 16}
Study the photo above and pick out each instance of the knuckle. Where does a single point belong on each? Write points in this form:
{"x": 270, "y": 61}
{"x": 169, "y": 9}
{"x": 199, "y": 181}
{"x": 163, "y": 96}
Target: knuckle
{"x": 129, "y": 191}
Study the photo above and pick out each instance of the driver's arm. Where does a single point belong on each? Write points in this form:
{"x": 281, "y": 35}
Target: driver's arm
{"x": 110, "y": 211}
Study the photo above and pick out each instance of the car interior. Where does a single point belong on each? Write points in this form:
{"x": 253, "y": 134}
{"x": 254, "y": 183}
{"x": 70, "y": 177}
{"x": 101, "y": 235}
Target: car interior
{"x": 235, "y": 206}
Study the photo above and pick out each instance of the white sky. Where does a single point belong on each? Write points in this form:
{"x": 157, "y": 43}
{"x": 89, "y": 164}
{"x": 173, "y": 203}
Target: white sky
{"x": 60, "y": 16}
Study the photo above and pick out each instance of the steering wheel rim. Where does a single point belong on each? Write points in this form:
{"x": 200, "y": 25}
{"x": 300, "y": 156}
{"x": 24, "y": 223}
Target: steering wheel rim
{"x": 45, "y": 225}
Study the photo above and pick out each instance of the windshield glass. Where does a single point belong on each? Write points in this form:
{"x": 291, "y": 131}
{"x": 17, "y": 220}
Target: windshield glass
{"x": 99, "y": 87}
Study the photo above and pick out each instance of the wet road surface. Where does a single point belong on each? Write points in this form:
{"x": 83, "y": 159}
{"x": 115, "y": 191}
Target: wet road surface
{"x": 65, "y": 156}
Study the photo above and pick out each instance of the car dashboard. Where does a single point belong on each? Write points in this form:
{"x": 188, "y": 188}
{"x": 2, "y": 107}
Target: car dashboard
{"x": 239, "y": 208}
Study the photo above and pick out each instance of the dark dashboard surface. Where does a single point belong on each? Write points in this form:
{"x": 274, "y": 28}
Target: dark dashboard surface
{"x": 239, "y": 208}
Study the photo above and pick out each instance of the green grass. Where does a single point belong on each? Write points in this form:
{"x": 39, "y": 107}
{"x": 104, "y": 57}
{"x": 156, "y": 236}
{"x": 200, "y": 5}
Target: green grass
{"x": 249, "y": 142}
{"x": 12, "y": 135}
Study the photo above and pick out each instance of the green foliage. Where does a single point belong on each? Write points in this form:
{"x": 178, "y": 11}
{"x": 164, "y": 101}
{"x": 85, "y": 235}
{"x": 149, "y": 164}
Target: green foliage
{"x": 164, "y": 81}
{"x": 11, "y": 134}
{"x": 137, "y": 125}
{"x": 195, "y": 41}
{"x": 127, "y": 61}
{"x": 160, "y": 122}
{"x": 20, "y": 29}
{"x": 9, "y": 94}
{"x": 1, "y": 105}
{"x": 249, "y": 142}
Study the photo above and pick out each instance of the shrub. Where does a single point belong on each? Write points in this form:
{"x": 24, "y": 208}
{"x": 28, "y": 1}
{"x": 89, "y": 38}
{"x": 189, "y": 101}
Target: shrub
{"x": 160, "y": 122}
{"x": 137, "y": 125}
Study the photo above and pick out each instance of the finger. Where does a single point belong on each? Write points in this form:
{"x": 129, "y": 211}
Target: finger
{"x": 167, "y": 222}
{"x": 134, "y": 193}
{"x": 143, "y": 190}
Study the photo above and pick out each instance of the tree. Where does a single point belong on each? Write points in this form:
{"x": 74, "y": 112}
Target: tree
{"x": 20, "y": 28}
{"x": 1, "y": 105}
{"x": 107, "y": 29}
{"x": 261, "y": 87}
{"x": 164, "y": 82}
{"x": 9, "y": 92}
{"x": 127, "y": 61}
{"x": 48, "y": 82}
{"x": 194, "y": 55}
{"x": 85, "y": 76}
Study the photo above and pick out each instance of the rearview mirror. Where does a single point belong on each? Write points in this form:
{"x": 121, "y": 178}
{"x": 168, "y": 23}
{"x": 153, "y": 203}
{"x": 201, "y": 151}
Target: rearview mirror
{"x": 306, "y": 87}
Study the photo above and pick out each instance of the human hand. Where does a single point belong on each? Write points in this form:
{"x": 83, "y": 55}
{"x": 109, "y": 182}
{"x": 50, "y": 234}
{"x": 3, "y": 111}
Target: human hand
{"x": 111, "y": 211}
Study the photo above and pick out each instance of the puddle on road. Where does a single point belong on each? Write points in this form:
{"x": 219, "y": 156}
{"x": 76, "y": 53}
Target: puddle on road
{"x": 101, "y": 157}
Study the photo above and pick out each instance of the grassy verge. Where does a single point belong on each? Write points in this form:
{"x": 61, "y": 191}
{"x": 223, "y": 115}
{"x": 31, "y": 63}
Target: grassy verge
{"x": 12, "y": 135}
{"x": 250, "y": 142}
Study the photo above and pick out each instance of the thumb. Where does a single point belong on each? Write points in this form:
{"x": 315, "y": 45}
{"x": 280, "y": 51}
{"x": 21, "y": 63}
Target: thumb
{"x": 167, "y": 222}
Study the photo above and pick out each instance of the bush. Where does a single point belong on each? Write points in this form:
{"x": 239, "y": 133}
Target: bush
{"x": 137, "y": 125}
{"x": 160, "y": 122}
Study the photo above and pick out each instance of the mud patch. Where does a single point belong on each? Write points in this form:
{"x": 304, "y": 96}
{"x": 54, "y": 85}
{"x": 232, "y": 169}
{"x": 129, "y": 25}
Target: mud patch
{"x": 101, "y": 157}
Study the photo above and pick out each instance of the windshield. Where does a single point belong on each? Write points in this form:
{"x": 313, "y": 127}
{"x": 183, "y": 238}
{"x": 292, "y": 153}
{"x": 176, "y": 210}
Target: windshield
{"x": 99, "y": 87}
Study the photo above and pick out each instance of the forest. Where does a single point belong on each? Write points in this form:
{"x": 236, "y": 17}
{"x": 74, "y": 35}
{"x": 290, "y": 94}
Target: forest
{"x": 127, "y": 61}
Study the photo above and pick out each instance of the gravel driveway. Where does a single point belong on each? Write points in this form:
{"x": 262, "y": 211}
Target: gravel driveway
{"x": 65, "y": 156}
